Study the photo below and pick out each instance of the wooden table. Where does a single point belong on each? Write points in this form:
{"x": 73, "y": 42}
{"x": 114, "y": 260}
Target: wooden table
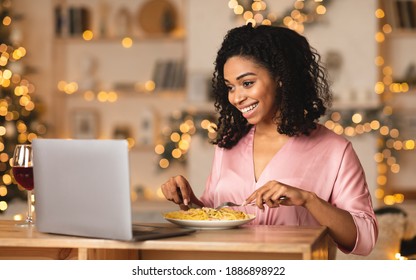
{"x": 255, "y": 242}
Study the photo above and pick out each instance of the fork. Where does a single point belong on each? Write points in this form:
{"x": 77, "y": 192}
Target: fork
{"x": 231, "y": 204}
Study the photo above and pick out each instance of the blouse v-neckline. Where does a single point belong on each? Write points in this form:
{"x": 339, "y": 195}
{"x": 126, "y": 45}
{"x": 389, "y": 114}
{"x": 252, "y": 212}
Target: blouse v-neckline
{"x": 257, "y": 180}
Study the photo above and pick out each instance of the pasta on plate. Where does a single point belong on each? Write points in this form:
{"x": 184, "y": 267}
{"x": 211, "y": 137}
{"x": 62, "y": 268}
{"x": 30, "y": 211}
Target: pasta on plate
{"x": 206, "y": 214}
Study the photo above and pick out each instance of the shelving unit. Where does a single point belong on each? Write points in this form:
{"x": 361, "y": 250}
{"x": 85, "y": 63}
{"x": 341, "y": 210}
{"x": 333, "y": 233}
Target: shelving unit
{"x": 399, "y": 56}
{"x": 104, "y": 64}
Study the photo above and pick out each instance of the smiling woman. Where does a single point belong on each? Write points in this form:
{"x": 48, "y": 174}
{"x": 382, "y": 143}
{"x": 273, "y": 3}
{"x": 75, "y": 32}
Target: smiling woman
{"x": 270, "y": 90}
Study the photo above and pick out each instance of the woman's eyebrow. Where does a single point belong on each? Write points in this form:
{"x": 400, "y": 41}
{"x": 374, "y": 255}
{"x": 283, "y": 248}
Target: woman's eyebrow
{"x": 242, "y": 76}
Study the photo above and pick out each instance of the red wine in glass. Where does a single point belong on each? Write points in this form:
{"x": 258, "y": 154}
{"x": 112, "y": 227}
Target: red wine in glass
{"x": 22, "y": 169}
{"x": 24, "y": 176}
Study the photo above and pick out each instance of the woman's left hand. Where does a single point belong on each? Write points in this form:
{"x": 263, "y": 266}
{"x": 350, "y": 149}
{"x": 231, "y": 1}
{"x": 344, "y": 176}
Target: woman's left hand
{"x": 272, "y": 192}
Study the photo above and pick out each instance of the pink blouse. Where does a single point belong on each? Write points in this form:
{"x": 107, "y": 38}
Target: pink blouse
{"x": 323, "y": 162}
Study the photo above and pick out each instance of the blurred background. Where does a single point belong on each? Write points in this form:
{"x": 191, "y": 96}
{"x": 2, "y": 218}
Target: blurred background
{"x": 140, "y": 70}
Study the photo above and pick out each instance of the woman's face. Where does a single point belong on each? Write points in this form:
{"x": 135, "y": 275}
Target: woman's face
{"x": 251, "y": 89}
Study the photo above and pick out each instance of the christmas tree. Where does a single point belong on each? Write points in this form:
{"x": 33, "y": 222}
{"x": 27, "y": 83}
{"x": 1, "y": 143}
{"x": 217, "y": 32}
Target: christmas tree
{"x": 19, "y": 110}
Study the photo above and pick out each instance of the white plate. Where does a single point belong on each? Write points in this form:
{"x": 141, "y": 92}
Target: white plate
{"x": 206, "y": 224}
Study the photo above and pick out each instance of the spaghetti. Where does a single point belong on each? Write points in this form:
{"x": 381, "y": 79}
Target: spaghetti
{"x": 206, "y": 213}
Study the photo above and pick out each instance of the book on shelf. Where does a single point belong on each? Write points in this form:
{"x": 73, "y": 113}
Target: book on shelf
{"x": 400, "y": 14}
{"x": 169, "y": 74}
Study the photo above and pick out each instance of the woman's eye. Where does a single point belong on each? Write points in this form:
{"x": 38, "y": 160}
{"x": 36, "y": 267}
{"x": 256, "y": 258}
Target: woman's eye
{"x": 247, "y": 83}
{"x": 229, "y": 88}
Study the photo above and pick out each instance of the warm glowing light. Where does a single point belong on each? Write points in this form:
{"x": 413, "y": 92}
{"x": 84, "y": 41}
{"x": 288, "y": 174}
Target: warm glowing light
{"x": 381, "y": 180}
{"x": 387, "y": 80}
{"x": 382, "y": 168}
{"x": 3, "y": 191}
{"x": 61, "y": 85}
{"x": 338, "y": 129}
{"x": 184, "y": 128}
{"x": 387, "y": 28}
{"x": 357, "y": 118}
{"x": 130, "y": 142}
{"x": 205, "y": 124}
{"x": 299, "y": 5}
{"x": 389, "y": 200}
{"x": 384, "y": 130}
{"x": 399, "y": 257}
{"x": 184, "y": 145}
{"x": 112, "y": 96}
{"x": 388, "y": 110}
{"x": 150, "y": 86}
{"x": 18, "y": 217}
{"x": 252, "y": 21}
{"x": 232, "y": 4}
{"x": 159, "y": 149}
{"x": 256, "y": 6}
{"x": 7, "y": 74}
{"x": 379, "y": 37}
{"x": 248, "y": 15}
{"x": 89, "y": 95}
{"x": 127, "y": 42}
{"x": 398, "y": 145}
{"x": 164, "y": 163}
{"x": 394, "y": 133}
{"x": 87, "y": 35}
{"x": 336, "y": 116}
{"x": 409, "y": 144}
{"x": 321, "y": 10}
{"x": 238, "y": 10}
{"x": 379, "y": 61}
{"x": 395, "y": 168}
{"x": 7, "y": 20}
{"x": 175, "y": 137}
{"x": 379, "y": 88}
{"x": 379, "y": 193}
{"x": 349, "y": 131}
{"x": 258, "y": 18}
{"x": 102, "y": 96}
{"x": 329, "y": 124}
{"x": 3, "y": 205}
{"x": 176, "y": 153}
{"x": 399, "y": 197}
{"x": 379, "y": 13}
{"x": 7, "y": 179}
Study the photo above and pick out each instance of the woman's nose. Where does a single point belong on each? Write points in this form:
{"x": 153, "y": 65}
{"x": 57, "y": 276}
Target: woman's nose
{"x": 239, "y": 96}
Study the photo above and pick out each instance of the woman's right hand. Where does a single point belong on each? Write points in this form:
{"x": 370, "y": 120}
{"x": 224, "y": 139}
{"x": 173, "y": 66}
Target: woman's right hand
{"x": 178, "y": 190}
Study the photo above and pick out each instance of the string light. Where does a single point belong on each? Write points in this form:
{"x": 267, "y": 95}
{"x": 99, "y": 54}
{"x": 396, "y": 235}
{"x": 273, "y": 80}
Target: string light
{"x": 380, "y": 120}
{"x": 178, "y": 136}
{"x": 19, "y": 110}
{"x": 303, "y": 12}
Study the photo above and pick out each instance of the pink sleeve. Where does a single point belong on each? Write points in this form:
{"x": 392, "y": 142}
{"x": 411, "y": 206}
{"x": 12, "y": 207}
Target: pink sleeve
{"x": 351, "y": 194}
{"x": 208, "y": 195}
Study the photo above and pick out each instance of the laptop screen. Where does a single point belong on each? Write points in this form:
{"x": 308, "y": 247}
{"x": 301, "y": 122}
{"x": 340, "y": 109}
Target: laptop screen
{"x": 82, "y": 187}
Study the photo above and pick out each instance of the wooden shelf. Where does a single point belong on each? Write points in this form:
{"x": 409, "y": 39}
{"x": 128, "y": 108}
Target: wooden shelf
{"x": 111, "y": 40}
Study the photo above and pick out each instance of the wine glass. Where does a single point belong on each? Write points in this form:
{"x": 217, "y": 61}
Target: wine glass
{"x": 22, "y": 169}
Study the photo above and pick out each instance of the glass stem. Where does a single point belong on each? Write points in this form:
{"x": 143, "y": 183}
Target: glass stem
{"x": 29, "y": 218}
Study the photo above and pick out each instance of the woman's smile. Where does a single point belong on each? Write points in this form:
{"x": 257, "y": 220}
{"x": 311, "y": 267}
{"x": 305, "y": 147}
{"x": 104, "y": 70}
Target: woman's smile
{"x": 249, "y": 108}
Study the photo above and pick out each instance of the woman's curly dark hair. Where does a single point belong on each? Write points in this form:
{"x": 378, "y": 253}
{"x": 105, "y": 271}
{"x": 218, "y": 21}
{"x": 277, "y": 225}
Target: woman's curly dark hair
{"x": 303, "y": 93}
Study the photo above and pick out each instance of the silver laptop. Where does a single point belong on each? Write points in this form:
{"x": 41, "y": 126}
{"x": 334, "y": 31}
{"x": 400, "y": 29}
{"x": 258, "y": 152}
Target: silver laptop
{"x": 82, "y": 188}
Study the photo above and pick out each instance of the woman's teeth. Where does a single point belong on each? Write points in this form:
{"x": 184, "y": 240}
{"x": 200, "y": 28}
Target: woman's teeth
{"x": 249, "y": 108}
